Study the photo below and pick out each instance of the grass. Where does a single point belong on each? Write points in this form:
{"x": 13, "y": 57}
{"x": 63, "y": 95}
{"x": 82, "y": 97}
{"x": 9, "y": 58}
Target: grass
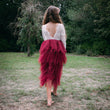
{"x": 85, "y": 83}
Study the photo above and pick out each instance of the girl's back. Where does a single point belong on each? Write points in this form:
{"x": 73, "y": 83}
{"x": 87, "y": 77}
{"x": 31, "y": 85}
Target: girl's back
{"x": 54, "y": 31}
{"x": 51, "y": 28}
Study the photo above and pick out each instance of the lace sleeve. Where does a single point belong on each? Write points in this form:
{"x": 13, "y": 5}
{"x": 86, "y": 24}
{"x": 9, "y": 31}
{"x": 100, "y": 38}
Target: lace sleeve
{"x": 63, "y": 35}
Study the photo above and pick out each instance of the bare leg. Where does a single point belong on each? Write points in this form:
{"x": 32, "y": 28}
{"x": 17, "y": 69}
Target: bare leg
{"x": 49, "y": 86}
{"x": 55, "y": 91}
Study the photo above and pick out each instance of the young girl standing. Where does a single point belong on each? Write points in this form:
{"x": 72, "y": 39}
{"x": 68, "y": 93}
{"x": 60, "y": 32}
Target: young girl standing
{"x": 52, "y": 51}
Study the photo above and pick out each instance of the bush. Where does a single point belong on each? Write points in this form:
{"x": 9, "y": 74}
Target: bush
{"x": 80, "y": 49}
{"x": 101, "y": 47}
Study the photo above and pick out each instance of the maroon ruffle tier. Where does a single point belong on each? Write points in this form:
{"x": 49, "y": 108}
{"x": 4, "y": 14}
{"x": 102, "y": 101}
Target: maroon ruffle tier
{"x": 51, "y": 59}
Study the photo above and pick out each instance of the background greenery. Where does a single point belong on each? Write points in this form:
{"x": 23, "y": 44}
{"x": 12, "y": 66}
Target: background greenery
{"x": 87, "y": 25}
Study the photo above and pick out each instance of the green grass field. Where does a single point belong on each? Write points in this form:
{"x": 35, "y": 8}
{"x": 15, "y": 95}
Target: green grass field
{"x": 85, "y": 83}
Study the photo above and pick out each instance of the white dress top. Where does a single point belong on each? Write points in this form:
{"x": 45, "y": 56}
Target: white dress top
{"x": 59, "y": 35}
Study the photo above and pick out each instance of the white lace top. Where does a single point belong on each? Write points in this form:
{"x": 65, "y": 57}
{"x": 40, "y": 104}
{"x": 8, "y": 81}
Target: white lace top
{"x": 59, "y": 35}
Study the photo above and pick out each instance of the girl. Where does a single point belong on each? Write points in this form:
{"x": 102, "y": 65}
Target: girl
{"x": 52, "y": 51}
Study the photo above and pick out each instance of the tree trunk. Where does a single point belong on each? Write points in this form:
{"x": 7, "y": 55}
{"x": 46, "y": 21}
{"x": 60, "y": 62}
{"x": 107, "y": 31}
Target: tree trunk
{"x": 28, "y": 51}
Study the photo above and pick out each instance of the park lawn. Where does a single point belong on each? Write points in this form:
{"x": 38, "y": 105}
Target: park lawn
{"x": 85, "y": 83}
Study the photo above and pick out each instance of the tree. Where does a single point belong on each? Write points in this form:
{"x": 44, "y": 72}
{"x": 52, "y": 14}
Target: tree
{"x": 102, "y": 26}
{"x": 86, "y": 22}
{"x": 27, "y": 26}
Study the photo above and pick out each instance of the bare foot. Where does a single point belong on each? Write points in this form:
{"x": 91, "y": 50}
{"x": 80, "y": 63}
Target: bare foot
{"x": 49, "y": 103}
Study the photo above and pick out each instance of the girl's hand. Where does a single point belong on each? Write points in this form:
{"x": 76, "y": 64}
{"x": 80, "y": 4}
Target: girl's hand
{"x": 58, "y": 10}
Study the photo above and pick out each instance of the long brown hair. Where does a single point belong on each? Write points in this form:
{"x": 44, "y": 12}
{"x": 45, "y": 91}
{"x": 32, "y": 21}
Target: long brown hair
{"x": 51, "y": 15}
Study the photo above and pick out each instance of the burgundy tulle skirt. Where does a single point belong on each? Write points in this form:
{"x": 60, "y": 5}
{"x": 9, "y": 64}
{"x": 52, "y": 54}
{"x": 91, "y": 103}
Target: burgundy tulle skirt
{"x": 52, "y": 58}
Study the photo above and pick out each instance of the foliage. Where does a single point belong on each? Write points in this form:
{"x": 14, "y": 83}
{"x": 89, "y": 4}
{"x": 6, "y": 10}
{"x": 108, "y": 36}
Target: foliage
{"x": 28, "y": 26}
{"x": 8, "y": 10}
{"x": 86, "y": 22}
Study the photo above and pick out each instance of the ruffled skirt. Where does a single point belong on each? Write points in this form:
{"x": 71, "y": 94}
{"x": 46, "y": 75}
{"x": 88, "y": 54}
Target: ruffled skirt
{"x": 51, "y": 59}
